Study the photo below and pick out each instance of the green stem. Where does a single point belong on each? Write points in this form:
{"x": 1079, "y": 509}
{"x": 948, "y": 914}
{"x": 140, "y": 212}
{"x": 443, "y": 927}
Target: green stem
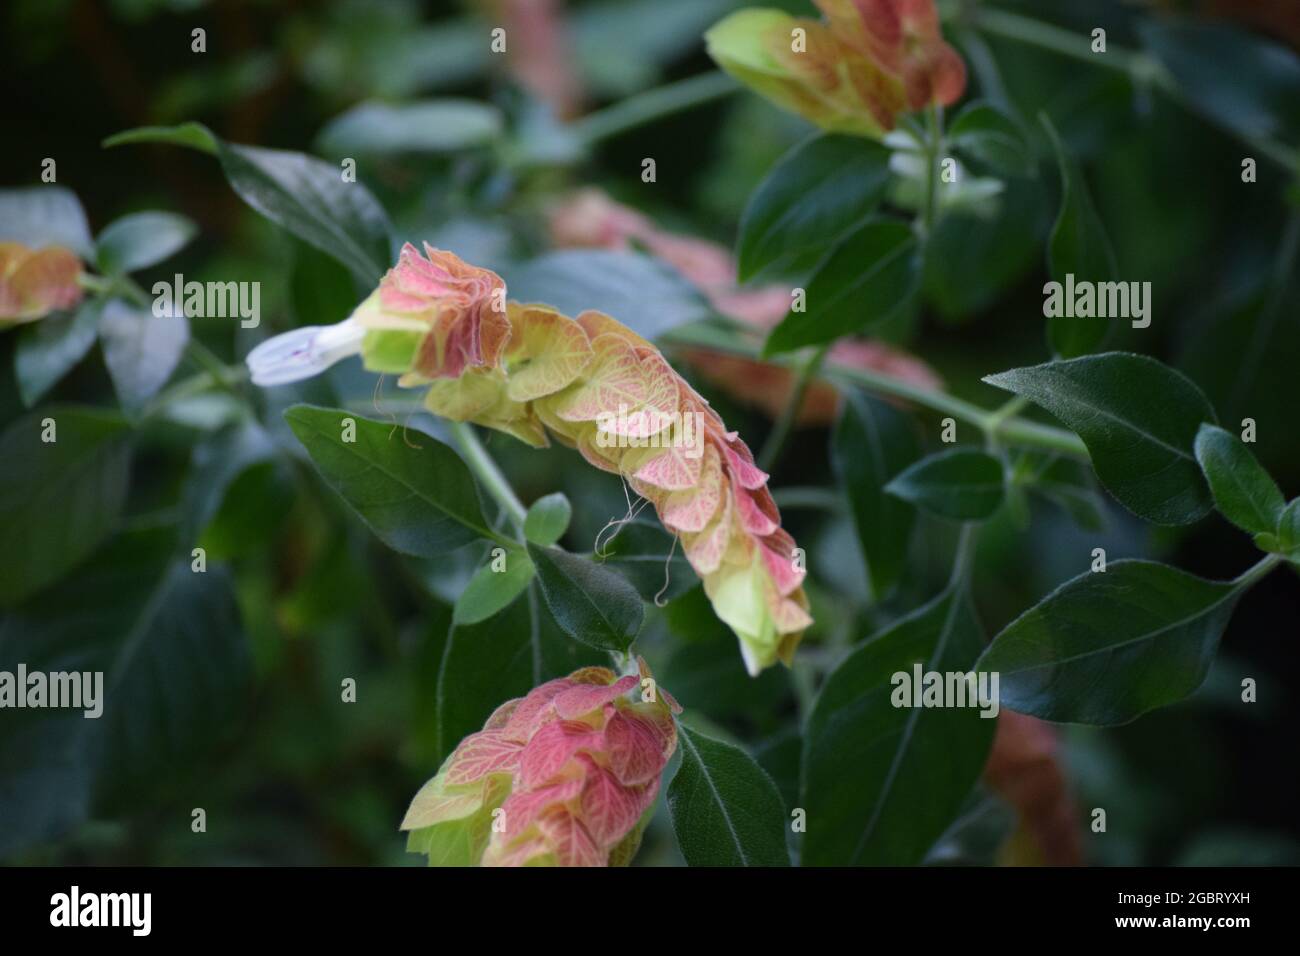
{"x": 813, "y": 499}
{"x": 652, "y": 105}
{"x": 985, "y": 68}
{"x": 99, "y": 285}
{"x": 964, "y": 556}
{"x": 487, "y": 472}
{"x": 1255, "y": 572}
{"x": 128, "y": 287}
{"x": 1012, "y": 431}
{"x": 933, "y": 148}
{"x": 790, "y": 413}
{"x": 1048, "y": 36}
{"x": 226, "y": 376}
{"x": 1023, "y": 433}
{"x": 994, "y": 422}
{"x": 196, "y": 384}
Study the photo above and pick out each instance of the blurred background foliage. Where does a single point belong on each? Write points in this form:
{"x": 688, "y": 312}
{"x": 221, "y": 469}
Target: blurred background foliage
{"x": 240, "y": 702}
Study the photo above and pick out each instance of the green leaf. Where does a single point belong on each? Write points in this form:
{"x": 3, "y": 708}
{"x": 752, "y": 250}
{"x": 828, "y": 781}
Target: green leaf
{"x": 590, "y": 603}
{"x": 644, "y": 294}
{"x": 871, "y": 442}
{"x": 1062, "y": 482}
{"x": 423, "y": 126}
{"x": 1245, "y": 82}
{"x": 650, "y": 557}
{"x": 864, "y": 280}
{"x": 218, "y": 461}
{"x": 1243, "y": 491}
{"x": 1106, "y": 647}
{"x": 1139, "y": 419}
{"x": 506, "y": 656}
{"x": 192, "y": 135}
{"x": 973, "y": 258}
{"x": 58, "y": 499}
{"x": 984, "y": 133}
{"x": 178, "y": 674}
{"x": 49, "y": 349}
{"x": 321, "y": 289}
{"x": 701, "y": 667}
{"x": 490, "y": 590}
{"x": 1288, "y": 526}
{"x": 141, "y": 350}
{"x": 1250, "y": 323}
{"x": 1078, "y": 247}
{"x": 39, "y": 216}
{"x": 882, "y": 782}
{"x": 816, "y": 194}
{"x": 726, "y": 810}
{"x": 47, "y": 782}
{"x": 1268, "y": 541}
{"x": 621, "y": 48}
{"x": 142, "y": 239}
{"x": 305, "y": 195}
{"x": 419, "y": 501}
{"x": 547, "y": 519}
{"x": 977, "y": 837}
{"x": 962, "y": 484}
{"x": 256, "y": 506}
{"x": 168, "y": 641}
{"x": 309, "y": 198}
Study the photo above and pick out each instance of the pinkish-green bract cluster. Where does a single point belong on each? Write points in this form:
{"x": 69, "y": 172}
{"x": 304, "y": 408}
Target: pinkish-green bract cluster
{"x": 856, "y": 71}
{"x": 592, "y": 383}
{"x": 565, "y": 776}
{"x": 36, "y": 282}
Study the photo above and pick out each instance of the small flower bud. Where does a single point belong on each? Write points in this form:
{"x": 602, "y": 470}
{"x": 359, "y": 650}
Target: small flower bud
{"x": 36, "y": 282}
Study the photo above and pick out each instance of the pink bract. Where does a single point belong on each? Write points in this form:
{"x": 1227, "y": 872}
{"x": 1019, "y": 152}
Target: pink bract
{"x": 564, "y": 776}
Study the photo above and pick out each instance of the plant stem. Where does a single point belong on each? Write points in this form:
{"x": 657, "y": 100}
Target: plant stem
{"x": 222, "y": 374}
{"x": 224, "y": 377}
{"x": 1024, "y": 433}
{"x": 652, "y": 105}
{"x": 996, "y": 419}
{"x": 128, "y": 287}
{"x": 1048, "y": 36}
{"x": 790, "y": 413}
{"x": 933, "y": 147}
{"x": 1013, "y": 431}
{"x": 963, "y": 556}
{"x": 487, "y": 472}
{"x": 1255, "y": 572}
{"x": 814, "y": 499}
{"x": 93, "y": 283}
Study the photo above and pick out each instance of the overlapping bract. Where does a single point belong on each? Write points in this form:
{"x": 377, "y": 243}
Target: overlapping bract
{"x": 456, "y": 310}
{"x": 589, "y": 218}
{"x": 565, "y": 776}
{"x": 36, "y": 282}
{"x": 854, "y": 72}
{"x": 600, "y": 388}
